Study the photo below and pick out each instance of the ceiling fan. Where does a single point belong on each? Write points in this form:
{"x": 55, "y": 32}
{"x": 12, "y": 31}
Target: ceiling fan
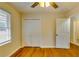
{"x": 43, "y": 4}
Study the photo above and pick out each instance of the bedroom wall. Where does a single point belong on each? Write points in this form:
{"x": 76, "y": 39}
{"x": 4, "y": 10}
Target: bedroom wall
{"x": 48, "y": 22}
{"x": 8, "y": 49}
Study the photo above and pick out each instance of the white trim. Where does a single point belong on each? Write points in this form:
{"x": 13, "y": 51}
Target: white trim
{"x": 75, "y": 43}
{"x": 14, "y": 51}
{"x": 9, "y": 41}
{"x": 47, "y": 47}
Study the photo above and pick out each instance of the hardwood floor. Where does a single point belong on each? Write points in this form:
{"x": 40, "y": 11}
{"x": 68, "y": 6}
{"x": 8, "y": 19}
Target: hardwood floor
{"x": 48, "y": 52}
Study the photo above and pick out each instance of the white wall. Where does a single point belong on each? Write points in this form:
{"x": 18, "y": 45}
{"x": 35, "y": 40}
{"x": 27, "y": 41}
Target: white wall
{"x": 48, "y": 27}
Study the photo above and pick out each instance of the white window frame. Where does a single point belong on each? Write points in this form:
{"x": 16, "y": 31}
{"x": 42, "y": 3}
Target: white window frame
{"x": 8, "y": 25}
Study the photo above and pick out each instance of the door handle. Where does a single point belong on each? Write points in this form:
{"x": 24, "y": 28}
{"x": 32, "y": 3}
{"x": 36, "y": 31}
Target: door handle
{"x": 56, "y": 34}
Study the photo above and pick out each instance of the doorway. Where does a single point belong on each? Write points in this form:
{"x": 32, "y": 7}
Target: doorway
{"x": 75, "y": 29}
{"x": 63, "y": 33}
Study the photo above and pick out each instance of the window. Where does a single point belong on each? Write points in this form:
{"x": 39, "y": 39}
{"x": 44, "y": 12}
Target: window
{"x": 5, "y": 30}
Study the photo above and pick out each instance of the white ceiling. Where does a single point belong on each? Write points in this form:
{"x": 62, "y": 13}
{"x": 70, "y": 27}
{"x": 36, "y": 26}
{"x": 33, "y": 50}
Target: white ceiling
{"x": 63, "y": 7}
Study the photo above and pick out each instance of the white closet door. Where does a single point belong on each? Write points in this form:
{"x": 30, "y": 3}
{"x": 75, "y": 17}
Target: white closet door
{"x": 32, "y": 32}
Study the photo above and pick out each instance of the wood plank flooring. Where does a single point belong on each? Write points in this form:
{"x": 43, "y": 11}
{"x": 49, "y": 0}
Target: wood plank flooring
{"x": 48, "y": 52}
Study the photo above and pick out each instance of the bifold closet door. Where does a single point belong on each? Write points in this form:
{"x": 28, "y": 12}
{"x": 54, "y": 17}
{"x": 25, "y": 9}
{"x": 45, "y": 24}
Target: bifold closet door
{"x": 32, "y": 32}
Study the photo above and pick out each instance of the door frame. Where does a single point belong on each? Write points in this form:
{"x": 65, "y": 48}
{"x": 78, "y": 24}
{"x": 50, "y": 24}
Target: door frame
{"x": 74, "y": 32}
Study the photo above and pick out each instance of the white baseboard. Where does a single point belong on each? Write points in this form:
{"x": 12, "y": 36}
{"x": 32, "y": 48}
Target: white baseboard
{"x": 14, "y": 51}
{"x": 47, "y": 46}
{"x": 42, "y": 46}
{"x": 75, "y": 43}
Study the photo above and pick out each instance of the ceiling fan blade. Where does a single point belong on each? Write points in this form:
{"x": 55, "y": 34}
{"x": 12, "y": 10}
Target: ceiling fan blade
{"x": 35, "y": 4}
{"x": 53, "y": 4}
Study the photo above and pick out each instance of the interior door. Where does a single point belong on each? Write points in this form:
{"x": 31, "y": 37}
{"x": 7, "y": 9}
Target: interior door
{"x": 62, "y": 33}
{"x": 32, "y": 32}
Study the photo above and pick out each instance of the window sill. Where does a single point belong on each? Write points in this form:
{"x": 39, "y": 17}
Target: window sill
{"x": 6, "y": 42}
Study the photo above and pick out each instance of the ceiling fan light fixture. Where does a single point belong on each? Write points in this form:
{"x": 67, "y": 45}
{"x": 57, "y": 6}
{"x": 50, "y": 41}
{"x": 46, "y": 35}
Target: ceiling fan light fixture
{"x": 47, "y": 4}
{"x": 42, "y": 4}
